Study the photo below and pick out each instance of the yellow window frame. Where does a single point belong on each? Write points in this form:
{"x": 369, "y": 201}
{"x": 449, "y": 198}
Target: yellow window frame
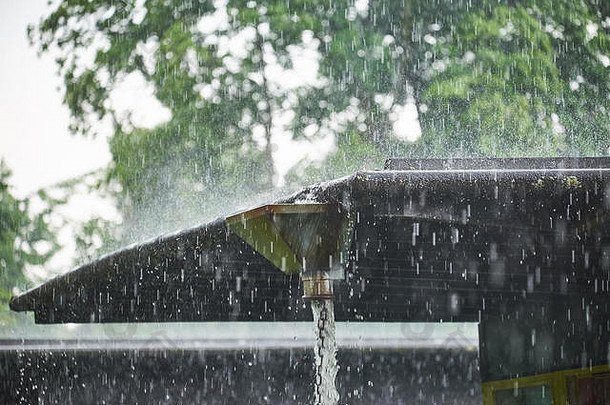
{"x": 557, "y": 381}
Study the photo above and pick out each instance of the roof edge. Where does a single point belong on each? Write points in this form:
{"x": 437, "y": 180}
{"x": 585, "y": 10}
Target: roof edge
{"x": 513, "y": 163}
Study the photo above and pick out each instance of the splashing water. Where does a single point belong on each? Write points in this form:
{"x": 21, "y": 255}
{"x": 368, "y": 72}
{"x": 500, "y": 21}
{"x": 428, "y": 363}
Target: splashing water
{"x": 325, "y": 352}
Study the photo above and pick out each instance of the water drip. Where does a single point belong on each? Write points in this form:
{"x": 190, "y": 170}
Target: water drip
{"x": 325, "y": 390}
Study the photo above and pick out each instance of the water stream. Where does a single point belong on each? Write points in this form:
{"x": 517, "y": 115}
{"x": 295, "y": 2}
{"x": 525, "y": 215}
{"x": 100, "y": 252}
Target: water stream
{"x": 325, "y": 390}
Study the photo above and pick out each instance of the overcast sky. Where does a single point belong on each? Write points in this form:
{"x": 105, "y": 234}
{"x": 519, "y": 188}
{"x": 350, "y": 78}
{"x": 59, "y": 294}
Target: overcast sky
{"x": 34, "y": 137}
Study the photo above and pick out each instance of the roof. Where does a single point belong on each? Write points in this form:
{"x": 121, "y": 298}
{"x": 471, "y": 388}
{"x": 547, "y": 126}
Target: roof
{"x": 443, "y": 240}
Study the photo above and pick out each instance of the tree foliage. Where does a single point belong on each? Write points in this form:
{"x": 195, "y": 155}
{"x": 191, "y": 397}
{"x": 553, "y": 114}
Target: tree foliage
{"x": 25, "y": 240}
{"x": 521, "y": 78}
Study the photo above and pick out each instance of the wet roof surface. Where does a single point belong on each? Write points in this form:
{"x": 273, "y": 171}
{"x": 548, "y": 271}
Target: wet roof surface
{"x": 422, "y": 249}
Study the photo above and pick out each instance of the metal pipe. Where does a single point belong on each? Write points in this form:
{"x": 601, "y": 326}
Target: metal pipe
{"x": 317, "y": 286}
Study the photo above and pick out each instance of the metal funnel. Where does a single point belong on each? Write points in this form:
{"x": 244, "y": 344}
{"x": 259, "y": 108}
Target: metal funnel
{"x": 309, "y": 239}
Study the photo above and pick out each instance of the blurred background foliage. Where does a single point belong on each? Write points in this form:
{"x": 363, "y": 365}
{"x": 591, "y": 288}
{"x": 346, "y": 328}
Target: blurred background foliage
{"x": 25, "y": 240}
{"x": 488, "y": 78}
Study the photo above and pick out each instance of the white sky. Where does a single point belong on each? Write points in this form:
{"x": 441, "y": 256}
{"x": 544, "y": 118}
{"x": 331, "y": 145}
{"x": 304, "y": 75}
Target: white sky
{"x": 34, "y": 137}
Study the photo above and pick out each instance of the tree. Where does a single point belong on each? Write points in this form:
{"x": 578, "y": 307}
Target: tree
{"x": 489, "y": 78}
{"x": 220, "y": 97}
{"x": 504, "y": 80}
{"x": 25, "y": 240}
